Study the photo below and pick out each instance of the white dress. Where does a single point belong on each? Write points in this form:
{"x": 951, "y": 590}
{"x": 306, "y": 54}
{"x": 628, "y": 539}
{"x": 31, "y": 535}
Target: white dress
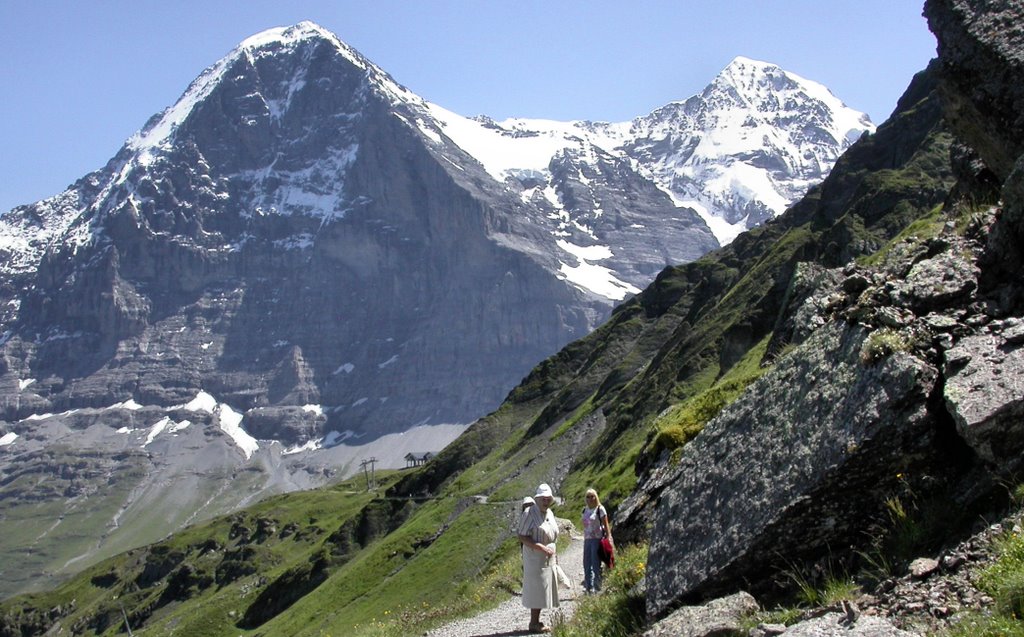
{"x": 540, "y": 584}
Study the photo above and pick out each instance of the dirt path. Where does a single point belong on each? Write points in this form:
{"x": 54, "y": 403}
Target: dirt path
{"x": 510, "y": 618}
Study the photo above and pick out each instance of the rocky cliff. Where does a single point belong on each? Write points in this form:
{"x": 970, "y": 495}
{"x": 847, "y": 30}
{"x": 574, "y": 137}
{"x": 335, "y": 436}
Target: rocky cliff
{"x": 908, "y": 378}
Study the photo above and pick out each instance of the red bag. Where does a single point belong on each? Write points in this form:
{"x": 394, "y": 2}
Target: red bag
{"x": 607, "y": 552}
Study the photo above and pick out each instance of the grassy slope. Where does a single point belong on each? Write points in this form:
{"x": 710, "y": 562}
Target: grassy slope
{"x": 660, "y": 367}
{"x": 216, "y": 564}
{"x": 56, "y": 532}
{"x": 56, "y": 525}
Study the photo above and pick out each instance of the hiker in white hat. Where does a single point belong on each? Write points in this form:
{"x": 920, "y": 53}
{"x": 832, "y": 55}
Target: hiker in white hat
{"x": 538, "y": 531}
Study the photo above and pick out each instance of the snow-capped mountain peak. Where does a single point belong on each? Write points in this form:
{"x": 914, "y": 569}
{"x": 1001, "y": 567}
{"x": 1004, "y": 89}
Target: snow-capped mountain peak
{"x": 739, "y": 152}
{"x": 747, "y": 146}
{"x": 234, "y": 130}
{"x": 289, "y": 35}
{"x": 270, "y": 43}
{"x": 758, "y": 81}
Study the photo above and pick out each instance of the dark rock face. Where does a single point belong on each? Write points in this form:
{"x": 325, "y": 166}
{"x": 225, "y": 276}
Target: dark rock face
{"x": 984, "y": 391}
{"x": 981, "y": 49}
{"x": 1005, "y": 253}
{"x": 292, "y": 243}
{"x": 822, "y": 454}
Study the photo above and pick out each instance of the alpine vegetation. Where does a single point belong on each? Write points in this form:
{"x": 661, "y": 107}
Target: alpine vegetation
{"x": 301, "y": 265}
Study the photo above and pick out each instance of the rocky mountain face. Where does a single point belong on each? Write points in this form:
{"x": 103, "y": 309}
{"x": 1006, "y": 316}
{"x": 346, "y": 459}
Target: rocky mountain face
{"x": 763, "y": 410}
{"x": 301, "y": 265}
{"x": 739, "y": 152}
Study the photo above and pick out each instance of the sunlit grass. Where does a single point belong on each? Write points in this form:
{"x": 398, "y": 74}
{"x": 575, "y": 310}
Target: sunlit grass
{"x": 619, "y": 611}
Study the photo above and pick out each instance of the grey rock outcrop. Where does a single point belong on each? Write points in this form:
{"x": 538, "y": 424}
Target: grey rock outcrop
{"x": 984, "y": 391}
{"x": 824, "y": 454}
{"x": 717, "y": 618}
{"x": 937, "y": 282}
{"x": 981, "y": 49}
{"x": 725, "y": 617}
{"x": 836, "y": 625}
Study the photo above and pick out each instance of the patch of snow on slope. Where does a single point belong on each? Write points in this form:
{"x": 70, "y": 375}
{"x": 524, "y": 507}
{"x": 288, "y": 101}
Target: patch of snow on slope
{"x": 724, "y": 231}
{"x": 230, "y": 421}
{"x": 510, "y": 147}
{"x": 750, "y": 183}
{"x": 8, "y": 438}
{"x": 231, "y": 424}
{"x": 202, "y": 402}
{"x": 129, "y": 404}
{"x": 311, "y": 445}
{"x": 156, "y": 430}
{"x": 594, "y": 278}
{"x": 164, "y": 424}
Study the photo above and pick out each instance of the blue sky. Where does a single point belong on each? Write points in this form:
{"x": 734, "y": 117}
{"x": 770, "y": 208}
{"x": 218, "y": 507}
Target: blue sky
{"x": 79, "y": 77}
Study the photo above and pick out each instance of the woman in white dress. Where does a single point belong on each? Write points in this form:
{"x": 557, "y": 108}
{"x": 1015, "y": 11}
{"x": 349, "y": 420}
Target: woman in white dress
{"x": 538, "y": 531}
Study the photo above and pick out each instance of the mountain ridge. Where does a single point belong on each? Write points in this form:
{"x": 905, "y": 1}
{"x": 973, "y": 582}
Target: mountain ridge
{"x": 592, "y": 415}
{"x": 820, "y": 373}
{"x": 579, "y": 261}
{"x": 298, "y": 250}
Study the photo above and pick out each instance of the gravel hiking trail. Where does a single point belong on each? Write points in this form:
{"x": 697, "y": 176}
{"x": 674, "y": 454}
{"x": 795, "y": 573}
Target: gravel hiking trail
{"x": 510, "y": 618}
